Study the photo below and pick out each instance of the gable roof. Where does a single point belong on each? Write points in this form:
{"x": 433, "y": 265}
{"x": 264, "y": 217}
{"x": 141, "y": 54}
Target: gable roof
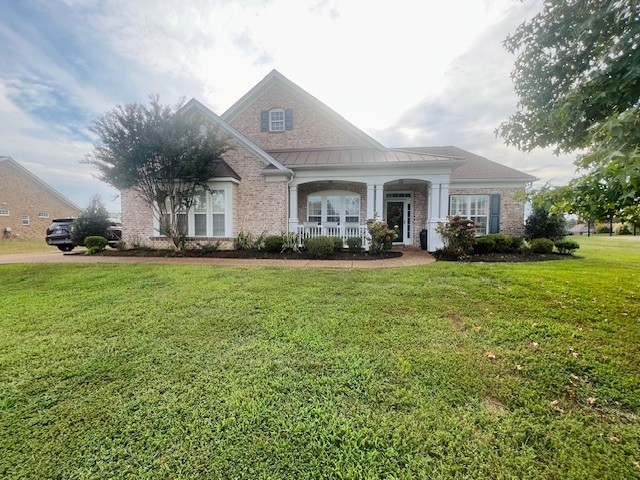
{"x": 276, "y": 78}
{"x": 195, "y": 105}
{"x": 11, "y": 162}
{"x": 475, "y": 168}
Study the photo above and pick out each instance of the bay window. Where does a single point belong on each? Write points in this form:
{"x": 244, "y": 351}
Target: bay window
{"x": 210, "y": 215}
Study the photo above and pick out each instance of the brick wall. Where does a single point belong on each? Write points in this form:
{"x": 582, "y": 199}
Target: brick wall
{"x": 511, "y": 210}
{"x": 311, "y": 129}
{"x": 22, "y": 195}
{"x": 258, "y": 205}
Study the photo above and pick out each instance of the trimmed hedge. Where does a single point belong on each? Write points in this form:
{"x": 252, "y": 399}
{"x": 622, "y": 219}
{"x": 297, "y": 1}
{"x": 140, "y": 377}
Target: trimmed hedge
{"x": 95, "y": 244}
{"x": 541, "y": 245}
{"x": 320, "y": 247}
{"x": 273, "y": 243}
{"x": 354, "y": 244}
{"x": 497, "y": 243}
{"x": 567, "y": 247}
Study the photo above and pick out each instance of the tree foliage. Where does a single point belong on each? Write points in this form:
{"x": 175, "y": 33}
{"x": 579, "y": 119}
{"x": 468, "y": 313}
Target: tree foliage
{"x": 159, "y": 152}
{"x": 578, "y": 64}
{"x": 577, "y": 76}
{"x": 93, "y": 221}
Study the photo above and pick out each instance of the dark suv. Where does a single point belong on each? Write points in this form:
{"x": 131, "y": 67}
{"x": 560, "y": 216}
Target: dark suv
{"x": 59, "y": 234}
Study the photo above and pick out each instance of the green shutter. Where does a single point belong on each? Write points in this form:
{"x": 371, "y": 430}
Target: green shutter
{"x": 264, "y": 121}
{"x": 494, "y": 214}
{"x": 288, "y": 119}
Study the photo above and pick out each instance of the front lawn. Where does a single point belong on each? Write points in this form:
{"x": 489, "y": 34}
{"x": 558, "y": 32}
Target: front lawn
{"x": 12, "y": 246}
{"x": 452, "y": 370}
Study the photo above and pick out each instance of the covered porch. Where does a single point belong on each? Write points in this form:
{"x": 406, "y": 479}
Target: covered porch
{"x": 339, "y": 206}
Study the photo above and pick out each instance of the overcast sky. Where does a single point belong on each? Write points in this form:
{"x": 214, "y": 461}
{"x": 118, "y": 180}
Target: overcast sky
{"x": 409, "y": 73}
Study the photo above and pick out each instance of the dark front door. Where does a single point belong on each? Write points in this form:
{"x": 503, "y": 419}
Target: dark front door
{"x": 395, "y": 219}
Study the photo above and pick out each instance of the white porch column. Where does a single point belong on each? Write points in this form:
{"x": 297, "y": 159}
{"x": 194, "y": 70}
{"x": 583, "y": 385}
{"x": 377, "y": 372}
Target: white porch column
{"x": 434, "y": 241}
{"x": 379, "y": 202}
{"x": 293, "y": 208}
{"x": 370, "y": 200}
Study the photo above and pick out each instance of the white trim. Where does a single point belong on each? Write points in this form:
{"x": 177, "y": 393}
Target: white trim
{"x": 272, "y": 121}
{"x": 5, "y": 212}
{"x": 324, "y": 195}
{"x": 43, "y": 214}
{"x": 26, "y": 220}
{"x": 408, "y": 213}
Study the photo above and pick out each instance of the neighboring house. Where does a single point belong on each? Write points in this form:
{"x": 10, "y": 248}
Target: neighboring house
{"x": 299, "y": 166}
{"x": 27, "y": 204}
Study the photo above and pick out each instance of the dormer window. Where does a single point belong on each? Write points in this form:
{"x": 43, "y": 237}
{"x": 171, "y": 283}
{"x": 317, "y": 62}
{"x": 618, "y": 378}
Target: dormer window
{"x": 276, "y": 120}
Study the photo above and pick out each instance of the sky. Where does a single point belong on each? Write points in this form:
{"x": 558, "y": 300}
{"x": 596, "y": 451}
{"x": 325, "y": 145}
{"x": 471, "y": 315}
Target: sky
{"x": 410, "y": 73}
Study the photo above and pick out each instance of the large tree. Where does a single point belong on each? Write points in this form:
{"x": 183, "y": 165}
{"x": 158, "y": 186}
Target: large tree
{"x": 577, "y": 76}
{"x": 162, "y": 154}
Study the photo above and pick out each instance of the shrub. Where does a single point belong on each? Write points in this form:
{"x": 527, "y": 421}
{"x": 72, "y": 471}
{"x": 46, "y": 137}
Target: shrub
{"x": 516, "y": 244}
{"x": 525, "y": 248}
{"x": 354, "y": 244}
{"x": 245, "y": 241}
{"x": 458, "y": 234}
{"x": 484, "y": 245}
{"x": 449, "y": 253}
{"x": 290, "y": 242}
{"x": 622, "y": 229}
{"x": 543, "y": 224}
{"x": 93, "y": 221}
{"x": 541, "y": 245}
{"x": 320, "y": 247}
{"x": 382, "y": 236}
{"x": 209, "y": 247}
{"x": 567, "y": 247}
{"x": 273, "y": 243}
{"x": 603, "y": 228}
{"x": 337, "y": 244}
{"x": 121, "y": 245}
{"x": 95, "y": 244}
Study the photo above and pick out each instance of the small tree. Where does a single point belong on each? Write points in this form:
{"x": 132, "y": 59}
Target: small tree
{"x": 543, "y": 224}
{"x": 92, "y": 222}
{"x": 159, "y": 152}
{"x": 458, "y": 235}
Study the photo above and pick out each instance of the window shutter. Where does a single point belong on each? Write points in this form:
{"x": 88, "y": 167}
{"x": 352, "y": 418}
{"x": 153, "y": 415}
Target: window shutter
{"x": 288, "y": 119}
{"x": 494, "y": 214}
{"x": 264, "y": 121}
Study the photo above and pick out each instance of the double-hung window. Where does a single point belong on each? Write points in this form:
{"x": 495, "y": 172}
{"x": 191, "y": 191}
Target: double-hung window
{"x": 472, "y": 207}
{"x": 276, "y": 120}
{"x": 337, "y": 208}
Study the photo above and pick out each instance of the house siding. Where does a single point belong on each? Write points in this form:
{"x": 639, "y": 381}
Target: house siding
{"x": 22, "y": 195}
{"x": 511, "y": 209}
{"x": 311, "y": 127}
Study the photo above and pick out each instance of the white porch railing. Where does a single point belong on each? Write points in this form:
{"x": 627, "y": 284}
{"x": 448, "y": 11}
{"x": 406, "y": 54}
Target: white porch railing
{"x": 342, "y": 231}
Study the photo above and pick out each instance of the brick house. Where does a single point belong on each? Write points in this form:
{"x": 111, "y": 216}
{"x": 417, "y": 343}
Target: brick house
{"x": 299, "y": 166}
{"x": 27, "y": 204}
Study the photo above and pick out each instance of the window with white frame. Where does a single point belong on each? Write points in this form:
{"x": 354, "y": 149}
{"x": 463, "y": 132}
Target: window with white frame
{"x": 276, "y": 120}
{"x": 43, "y": 214}
{"x": 4, "y": 212}
{"x": 210, "y": 215}
{"x": 26, "y": 219}
{"x": 472, "y": 207}
{"x": 333, "y": 207}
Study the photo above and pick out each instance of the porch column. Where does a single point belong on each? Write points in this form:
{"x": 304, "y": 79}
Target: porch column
{"x": 434, "y": 241}
{"x": 370, "y": 200}
{"x": 293, "y": 208}
{"x": 379, "y": 202}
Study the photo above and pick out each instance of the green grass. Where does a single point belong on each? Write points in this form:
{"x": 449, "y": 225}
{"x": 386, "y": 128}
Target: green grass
{"x": 8, "y": 247}
{"x": 152, "y": 371}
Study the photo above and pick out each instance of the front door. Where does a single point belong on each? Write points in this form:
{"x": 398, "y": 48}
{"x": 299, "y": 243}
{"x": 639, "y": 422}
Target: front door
{"x": 399, "y": 218}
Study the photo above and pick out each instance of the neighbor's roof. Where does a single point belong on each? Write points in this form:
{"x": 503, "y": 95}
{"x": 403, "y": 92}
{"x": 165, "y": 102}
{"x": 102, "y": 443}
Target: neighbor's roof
{"x": 274, "y": 78}
{"x": 355, "y": 156}
{"x": 10, "y": 161}
{"x": 475, "y": 168}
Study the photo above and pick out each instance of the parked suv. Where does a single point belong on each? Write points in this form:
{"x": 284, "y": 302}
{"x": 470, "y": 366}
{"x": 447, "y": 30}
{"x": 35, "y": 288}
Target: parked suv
{"x": 59, "y": 234}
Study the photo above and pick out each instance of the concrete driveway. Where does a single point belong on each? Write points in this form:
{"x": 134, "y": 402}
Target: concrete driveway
{"x": 410, "y": 257}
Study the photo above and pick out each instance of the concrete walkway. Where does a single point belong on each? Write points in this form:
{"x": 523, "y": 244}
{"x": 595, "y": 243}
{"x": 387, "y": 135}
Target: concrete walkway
{"x": 410, "y": 257}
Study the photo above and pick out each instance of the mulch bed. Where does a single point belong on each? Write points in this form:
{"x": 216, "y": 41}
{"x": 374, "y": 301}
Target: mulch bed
{"x": 515, "y": 257}
{"x": 247, "y": 254}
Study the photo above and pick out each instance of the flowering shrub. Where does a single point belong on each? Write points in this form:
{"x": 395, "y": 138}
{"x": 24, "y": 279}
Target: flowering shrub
{"x": 458, "y": 235}
{"x": 382, "y": 236}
